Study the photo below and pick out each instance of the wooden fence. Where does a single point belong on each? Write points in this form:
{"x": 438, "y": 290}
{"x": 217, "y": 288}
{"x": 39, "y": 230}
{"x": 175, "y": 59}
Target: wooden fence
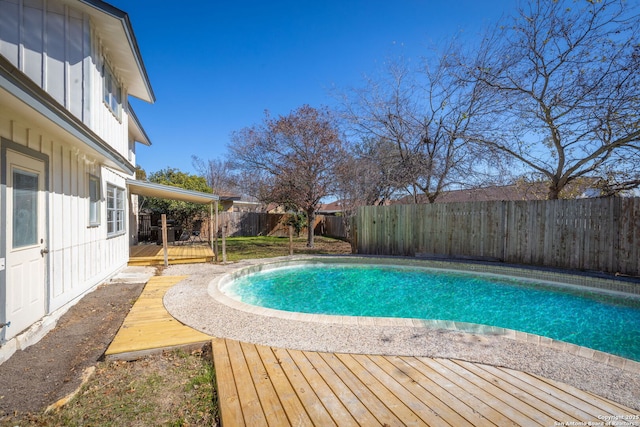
{"x": 246, "y": 224}
{"x": 586, "y": 234}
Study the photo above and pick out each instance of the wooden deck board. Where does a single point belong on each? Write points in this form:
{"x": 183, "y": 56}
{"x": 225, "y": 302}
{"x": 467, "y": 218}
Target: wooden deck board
{"x": 226, "y": 385}
{"x": 482, "y": 412}
{"x": 347, "y": 396}
{"x": 380, "y": 409}
{"x": 269, "y": 400}
{"x": 303, "y": 388}
{"x": 397, "y": 399}
{"x": 292, "y": 405}
{"x": 334, "y": 404}
{"x": 308, "y": 396}
{"x": 432, "y": 401}
{"x": 149, "y": 326}
{"x": 176, "y": 254}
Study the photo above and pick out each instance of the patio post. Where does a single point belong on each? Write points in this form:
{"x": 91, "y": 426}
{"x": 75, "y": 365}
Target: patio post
{"x": 215, "y": 249}
{"x": 164, "y": 240}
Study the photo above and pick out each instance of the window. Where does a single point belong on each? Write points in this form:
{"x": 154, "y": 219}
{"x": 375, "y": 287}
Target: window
{"x": 115, "y": 210}
{"x": 25, "y": 208}
{"x": 112, "y": 91}
{"x": 94, "y": 200}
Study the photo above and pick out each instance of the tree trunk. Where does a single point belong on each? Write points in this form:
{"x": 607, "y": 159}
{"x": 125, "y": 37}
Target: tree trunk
{"x": 554, "y": 191}
{"x": 311, "y": 216}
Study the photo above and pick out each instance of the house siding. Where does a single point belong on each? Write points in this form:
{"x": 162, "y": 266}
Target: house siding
{"x": 80, "y": 255}
{"x": 56, "y": 46}
{"x": 55, "y": 121}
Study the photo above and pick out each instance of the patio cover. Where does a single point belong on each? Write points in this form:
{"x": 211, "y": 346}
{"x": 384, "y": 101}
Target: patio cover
{"x": 152, "y": 189}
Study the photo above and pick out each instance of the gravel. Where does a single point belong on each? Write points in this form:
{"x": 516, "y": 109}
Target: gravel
{"x": 190, "y": 302}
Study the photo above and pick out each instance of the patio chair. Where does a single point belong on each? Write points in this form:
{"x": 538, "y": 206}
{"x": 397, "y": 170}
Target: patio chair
{"x": 195, "y": 231}
{"x": 184, "y": 237}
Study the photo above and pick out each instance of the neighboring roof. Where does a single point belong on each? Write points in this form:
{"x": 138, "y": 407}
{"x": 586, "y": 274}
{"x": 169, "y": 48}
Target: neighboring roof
{"x": 22, "y": 96}
{"x": 334, "y": 207}
{"x": 116, "y": 34}
{"x": 151, "y": 189}
{"x": 514, "y": 192}
{"x": 521, "y": 191}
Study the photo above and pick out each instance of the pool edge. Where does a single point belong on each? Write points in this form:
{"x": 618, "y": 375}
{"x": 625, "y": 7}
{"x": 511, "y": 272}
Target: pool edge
{"x": 609, "y": 359}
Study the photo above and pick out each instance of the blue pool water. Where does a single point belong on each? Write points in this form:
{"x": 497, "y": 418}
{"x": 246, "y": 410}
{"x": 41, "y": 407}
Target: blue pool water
{"x": 606, "y": 323}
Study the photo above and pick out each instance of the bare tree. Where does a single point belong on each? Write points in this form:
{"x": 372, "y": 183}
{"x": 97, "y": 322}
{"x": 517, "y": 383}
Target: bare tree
{"x": 293, "y": 158}
{"x": 364, "y": 175}
{"x": 423, "y": 114}
{"x": 218, "y": 173}
{"x": 560, "y": 87}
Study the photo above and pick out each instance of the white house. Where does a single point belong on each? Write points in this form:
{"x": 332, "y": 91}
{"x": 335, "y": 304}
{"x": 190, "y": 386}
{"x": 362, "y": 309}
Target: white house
{"x": 67, "y": 151}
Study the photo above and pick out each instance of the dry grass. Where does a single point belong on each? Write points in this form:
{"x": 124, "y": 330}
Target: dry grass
{"x": 169, "y": 389}
{"x": 265, "y": 247}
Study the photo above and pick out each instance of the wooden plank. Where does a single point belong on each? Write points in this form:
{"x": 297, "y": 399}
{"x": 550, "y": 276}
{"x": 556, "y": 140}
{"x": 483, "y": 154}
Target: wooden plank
{"x": 426, "y": 381}
{"x": 464, "y": 380}
{"x": 483, "y": 413}
{"x": 513, "y": 398}
{"x": 291, "y": 404}
{"x": 271, "y": 406}
{"x": 543, "y": 400}
{"x": 230, "y": 405}
{"x": 348, "y": 398}
{"x": 334, "y": 402}
{"x": 153, "y": 254}
{"x": 377, "y": 407}
{"x": 398, "y": 395}
{"x": 603, "y": 404}
{"x": 148, "y": 325}
{"x": 314, "y": 398}
{"x": 568, "y": 402}
{"x": 252, "y": 412}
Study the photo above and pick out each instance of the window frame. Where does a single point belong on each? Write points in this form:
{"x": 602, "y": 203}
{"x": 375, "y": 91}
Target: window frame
{"x": 116, "y": 210}
{"x": 95, "y": 199}
{"x": 112, "y": 91}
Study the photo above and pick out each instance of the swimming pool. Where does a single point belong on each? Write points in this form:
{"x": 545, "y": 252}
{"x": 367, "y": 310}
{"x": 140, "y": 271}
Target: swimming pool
{"x": 580, "y": 316}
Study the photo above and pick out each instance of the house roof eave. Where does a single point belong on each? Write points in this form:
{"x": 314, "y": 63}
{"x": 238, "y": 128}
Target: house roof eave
{"x": 118, "y": 37}
{"x": 136, "y": 129}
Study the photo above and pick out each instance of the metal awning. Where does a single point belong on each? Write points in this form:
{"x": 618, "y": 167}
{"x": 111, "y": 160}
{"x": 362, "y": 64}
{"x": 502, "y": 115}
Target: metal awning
{"x": 152, "y": 189}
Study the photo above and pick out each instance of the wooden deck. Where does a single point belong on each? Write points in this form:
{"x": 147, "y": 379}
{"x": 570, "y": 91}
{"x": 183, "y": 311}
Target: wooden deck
{"x": 149, "y": 327}
{"x": 260, "y": 386}
{"x": 185, "y": 253}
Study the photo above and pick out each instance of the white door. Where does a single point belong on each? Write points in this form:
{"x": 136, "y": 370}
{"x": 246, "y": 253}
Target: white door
{"x": 26, "y": 242}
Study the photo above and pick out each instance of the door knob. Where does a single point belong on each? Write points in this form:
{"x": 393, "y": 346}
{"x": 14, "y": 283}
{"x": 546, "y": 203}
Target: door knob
{"x": 44, "y": 251}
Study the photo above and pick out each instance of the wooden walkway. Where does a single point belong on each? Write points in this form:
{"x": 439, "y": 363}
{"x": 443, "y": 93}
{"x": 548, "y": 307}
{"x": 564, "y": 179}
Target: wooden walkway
{"x": 177, "y": 254}
{"x": 260, "y": 386}
{"x": 149, "y": 327}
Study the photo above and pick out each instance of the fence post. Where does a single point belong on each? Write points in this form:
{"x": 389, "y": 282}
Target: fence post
{"x": 224, "y": 243}
{"x": 164, "y": 240}
{"x": 290, "y": 240}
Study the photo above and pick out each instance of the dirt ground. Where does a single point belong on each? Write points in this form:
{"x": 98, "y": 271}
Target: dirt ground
{"x": 40, "y": 375}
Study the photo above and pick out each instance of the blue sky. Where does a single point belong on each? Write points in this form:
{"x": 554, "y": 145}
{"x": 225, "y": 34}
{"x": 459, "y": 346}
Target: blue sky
{"x": 216, "y": 66}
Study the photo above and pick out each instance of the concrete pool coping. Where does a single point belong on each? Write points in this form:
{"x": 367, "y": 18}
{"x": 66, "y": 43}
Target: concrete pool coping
{"x": 197, "y": 303}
